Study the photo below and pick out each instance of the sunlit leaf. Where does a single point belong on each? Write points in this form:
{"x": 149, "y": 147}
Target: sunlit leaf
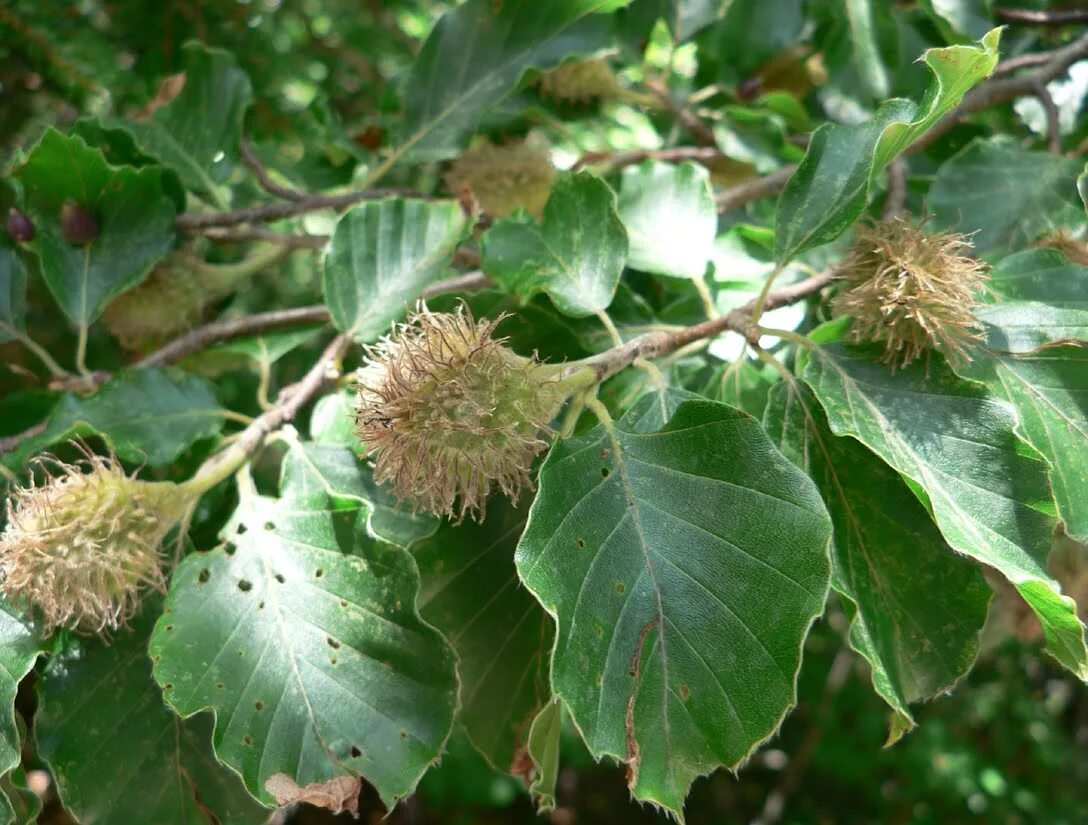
{"x": 684, "y": 559}
{"x": 575, "y": 254}
{"x": 302, "y": 634}
{"x": 133, "y": 213}
{"x": 381, "y": 256}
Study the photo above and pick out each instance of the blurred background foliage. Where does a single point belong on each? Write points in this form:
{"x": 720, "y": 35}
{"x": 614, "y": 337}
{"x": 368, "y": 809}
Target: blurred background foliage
{"x": 1008, "y": 746}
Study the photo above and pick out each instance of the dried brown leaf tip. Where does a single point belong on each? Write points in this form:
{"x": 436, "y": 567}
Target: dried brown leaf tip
{"x": 504, "y": 178}
{"x": 452, "y": 413}
{"x": 80, "y": 547}
{"x": 912, "y": 290}
{"x": 339, "y": 795}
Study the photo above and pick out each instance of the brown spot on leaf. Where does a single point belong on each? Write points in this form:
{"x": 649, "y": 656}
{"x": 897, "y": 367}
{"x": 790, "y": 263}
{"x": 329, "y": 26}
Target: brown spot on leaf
{"x": 522, "y": 765}
{"x": 634, "y": 670}
{"x": 339, "y": 795}
{"x": 169, "y": 88}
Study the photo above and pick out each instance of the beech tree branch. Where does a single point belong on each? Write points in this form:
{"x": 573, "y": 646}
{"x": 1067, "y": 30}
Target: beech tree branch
{"x": 249, "y": 157}
{"x": 1052, "y": 17}
{"x": 896, "y": 198}
{"x": 656, "y": 344}
{"x": 1053, "y": 118}
{"x": 203, "y": 337}
{"x": 705, "y": 154}
{"x": 287, "y": 406}
{"x": 219, "y": 331}
{"x": 299, "y": 240}
{"x": 10, "y": 442}
{"x": 266, "y": 212}
{"x": 702, "y": 133}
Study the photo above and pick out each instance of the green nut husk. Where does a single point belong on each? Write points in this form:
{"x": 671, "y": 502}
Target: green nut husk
{"x": 177, "y": 296}
{"x": 504, "y": 178}
{"x": 580, "y": 81}
{"x": 80, "y": 548}
{"x": 451, "y": 413}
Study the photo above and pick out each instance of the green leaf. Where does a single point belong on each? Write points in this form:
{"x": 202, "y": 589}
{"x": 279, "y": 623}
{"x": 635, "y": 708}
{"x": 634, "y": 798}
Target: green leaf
{"x": 119, "y": 756}
{"x": 119, "y": 148}
{"x": 1006, "y": 195}
{"x": 1040, "y": 299}
{"x": 135, "y": 219}
{"x": 477, "y": 54}
{"x": 830, "y": 188}
{"x": 502, "y": 637}
{"x": 1041, "y": 302}
{"x": 863, "y": 23}
{"x": 255, "y": 353}
{"x": 754, "y": 31}
{"x": 19, "y": 650}
{"x": 333, "y": 420}
{"x": 381, "y": 256}
{"x": 575, "y": 255}
{"x": 302, "y": 635}
{"x": 147, "y": 415}
{"x": 687, "y": 17}
{"x": 960, "y": 19}
{"x": 543, "y": 749}
{"x": 739, "y": 384}
{"x": 1050, "y": 392}
{"x": 12, "y": 293}
{"x": 197, "y": 133}
{"x": 343, "y": 475}
{"x": 684, "y": 18}
{"x": 684, "y": 559}
{"x": 670, "y": 217}
{"x": 988, "y": 492}
{"x": 918, "y": 605}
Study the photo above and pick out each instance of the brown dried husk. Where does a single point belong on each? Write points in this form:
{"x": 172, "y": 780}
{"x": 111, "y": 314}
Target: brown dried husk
{"x": 452, "y": 414}
{"x": 912, "y": 290}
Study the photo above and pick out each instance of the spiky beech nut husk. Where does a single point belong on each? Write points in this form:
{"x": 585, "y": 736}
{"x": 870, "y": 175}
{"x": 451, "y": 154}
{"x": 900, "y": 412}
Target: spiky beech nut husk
{"x": 80, "y": 547}
{"x": 452, "y": 413}
{"x": 913, "y": 290}
{"x": 1068, "y": 244}
{"x": 504, "y": 178}
{"x": 580, "y": 81}
{"x": 19, "y": 227}
{"x": 168, "y": 303}
{"x": 77, "y": 224}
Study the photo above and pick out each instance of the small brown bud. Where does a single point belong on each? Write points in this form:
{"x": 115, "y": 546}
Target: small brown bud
{"x": 913, "y": 290}
{"x": 19, "y": 227}
{"x": 78, "y": 226}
